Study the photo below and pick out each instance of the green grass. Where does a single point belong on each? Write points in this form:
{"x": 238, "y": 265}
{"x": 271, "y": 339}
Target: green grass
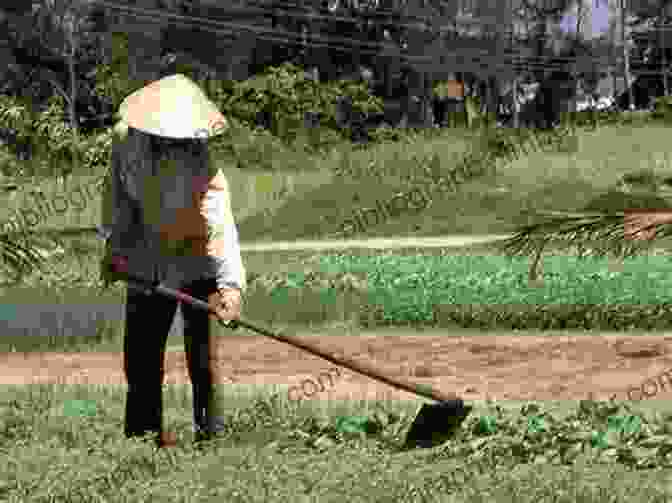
{"x": 274, "y": 451}
{"x": 493, "y": 204}
{"x": 256, "y": 186}
{"x": 312, "y": 198}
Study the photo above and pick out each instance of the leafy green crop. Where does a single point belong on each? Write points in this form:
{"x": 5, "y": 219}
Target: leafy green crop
{"x": 494, "y": 290}
{"x": 499, "y": 280}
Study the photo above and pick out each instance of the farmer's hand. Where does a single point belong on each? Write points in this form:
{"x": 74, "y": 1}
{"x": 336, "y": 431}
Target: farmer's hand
{"x": 642, "y": 226}
{"x": 226, "y": 303}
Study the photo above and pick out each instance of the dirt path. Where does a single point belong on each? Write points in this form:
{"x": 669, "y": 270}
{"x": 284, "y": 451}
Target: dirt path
{"x": 387, "y": 243}
{"x": 555, "y": 367}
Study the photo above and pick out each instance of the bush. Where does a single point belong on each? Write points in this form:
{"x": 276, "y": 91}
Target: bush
{"x": 284, "y": 98}
{"x": 663, "y": 108}
{"x": 593, "y": 120}
{"x": 55, "y": 144}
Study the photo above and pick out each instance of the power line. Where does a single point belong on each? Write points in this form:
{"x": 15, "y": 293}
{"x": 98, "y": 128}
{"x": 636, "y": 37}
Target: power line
{"x": 342, "y": 44}
{"x": 257, "y": 30}
{"x": 393, "y": 15}
{"x": 347, "y": 45}
{"x": 304, "y": 12}
{"x": 373, "y": 49}
{"x": 508, "y": 36}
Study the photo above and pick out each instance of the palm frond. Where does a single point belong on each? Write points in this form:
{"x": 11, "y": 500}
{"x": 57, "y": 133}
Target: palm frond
{"x": 21, "y": 253}
{"x": 594, "y": 234}
{"x": 54, "y": 232}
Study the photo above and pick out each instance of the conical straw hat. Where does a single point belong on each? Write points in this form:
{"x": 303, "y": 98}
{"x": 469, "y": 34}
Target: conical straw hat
{"x": 173, "y": 107}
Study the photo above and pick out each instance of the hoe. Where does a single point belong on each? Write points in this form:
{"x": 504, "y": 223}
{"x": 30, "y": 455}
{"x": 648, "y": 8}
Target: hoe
{"x": 434, "y": 424}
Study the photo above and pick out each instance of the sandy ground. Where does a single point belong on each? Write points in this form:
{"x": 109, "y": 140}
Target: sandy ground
{"x": 502, "y": 367}
{"x": 386, "y": 243}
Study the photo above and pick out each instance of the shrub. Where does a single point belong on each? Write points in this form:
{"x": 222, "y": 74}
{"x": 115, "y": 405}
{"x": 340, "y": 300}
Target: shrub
{"x": 283, "y": 97}
{"x": 56, "y": 145}
{"x": 663, "y": 108}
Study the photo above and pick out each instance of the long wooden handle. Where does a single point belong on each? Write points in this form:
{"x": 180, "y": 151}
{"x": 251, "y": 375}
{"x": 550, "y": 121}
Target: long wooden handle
{"x": 362, "y": 368}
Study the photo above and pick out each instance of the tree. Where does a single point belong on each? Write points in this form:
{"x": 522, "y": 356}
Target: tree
{"x": 582, "y": 12}
{"x": 659, "y": 13}
{"x": 418, "y": 37}
{"x": 42, "y": 63}
{"x": 66, "y": 26}
{"x": 650, "y": 49}
{"x": 600, "y": 228}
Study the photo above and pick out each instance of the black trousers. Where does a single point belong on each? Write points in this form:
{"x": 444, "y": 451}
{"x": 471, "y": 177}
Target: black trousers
{"x": 148, "y": 322}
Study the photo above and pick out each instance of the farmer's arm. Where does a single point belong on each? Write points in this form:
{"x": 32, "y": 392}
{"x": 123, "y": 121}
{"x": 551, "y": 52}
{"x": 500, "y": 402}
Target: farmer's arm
{"x": 223, "y": 242}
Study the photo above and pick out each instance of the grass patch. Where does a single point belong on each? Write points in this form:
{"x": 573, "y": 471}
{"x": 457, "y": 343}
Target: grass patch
{"x": 276, "y": 451}
{"x": 491, "y": 204}
{"x": 313, "y": 201}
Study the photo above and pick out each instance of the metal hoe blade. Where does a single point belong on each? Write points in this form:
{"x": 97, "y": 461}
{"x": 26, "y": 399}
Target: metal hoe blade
{"x": 436, "y": 423}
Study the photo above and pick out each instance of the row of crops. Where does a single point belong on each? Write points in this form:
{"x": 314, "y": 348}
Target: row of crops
{"x": 489, "y": 291}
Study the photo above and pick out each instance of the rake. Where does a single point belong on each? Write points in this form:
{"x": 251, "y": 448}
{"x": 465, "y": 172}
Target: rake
{"x": 434, "y": 423}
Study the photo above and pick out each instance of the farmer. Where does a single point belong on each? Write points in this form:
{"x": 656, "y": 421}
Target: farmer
{"x": 167, "y": 211}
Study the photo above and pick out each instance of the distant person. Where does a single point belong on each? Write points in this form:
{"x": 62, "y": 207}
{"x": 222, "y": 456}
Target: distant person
{"x": 167, "y": 211}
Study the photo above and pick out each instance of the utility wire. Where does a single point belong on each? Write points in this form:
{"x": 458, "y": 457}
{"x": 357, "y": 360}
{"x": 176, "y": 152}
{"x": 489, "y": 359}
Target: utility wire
{"x": 342, "y": 44}
{"x": 305, "y": 13}
{"x": 308, "y": 12}
{"x": 395, "y": 16}
{"x": 256, "y": 28}
{"x": 347, "y": 45}
{"x": 603, "y": 60}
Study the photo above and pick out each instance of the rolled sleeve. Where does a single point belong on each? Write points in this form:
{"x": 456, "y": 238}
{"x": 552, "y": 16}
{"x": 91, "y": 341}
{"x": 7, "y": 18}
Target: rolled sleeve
{"x": 223, "y": 241}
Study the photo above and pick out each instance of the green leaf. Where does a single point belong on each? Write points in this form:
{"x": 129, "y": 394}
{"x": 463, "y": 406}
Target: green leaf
{"x": 535, "y": 424}
{"x": 352, "y": 424}
{"x": 486, "y": 425}
{"x": 79, "y": 408}
{"x": 599, "y": 440}
{"x": 624, "y": 425}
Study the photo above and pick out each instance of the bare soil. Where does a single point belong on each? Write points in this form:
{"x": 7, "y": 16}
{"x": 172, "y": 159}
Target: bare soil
{"x": 501, "y": 367}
